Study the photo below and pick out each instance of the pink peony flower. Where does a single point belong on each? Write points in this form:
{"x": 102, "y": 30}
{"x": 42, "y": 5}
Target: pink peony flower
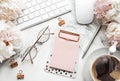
{"x": 8, "y": 35}
{"x": 10, "y": 43}
{"x": 102, "y": 7}
{"x": 13, "y": 37}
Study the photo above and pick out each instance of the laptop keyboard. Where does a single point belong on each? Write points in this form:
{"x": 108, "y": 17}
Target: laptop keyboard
{"x": 39, "y": 11}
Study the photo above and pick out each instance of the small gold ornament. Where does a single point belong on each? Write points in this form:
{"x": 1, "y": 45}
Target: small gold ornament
{"x": 61, "y": 21}
{"x": 20, "y": 75}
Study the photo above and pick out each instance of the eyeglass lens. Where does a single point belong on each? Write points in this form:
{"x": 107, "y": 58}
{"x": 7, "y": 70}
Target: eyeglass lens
{"x": 44, "y": 37}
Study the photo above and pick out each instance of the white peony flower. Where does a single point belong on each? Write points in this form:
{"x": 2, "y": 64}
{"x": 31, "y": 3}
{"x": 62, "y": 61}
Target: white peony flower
{"x": 113, "y": 33}
{"x": 111, "y": 29}
{"x": 10, "y": 41}
{"x": 111, "y": 14}
{"x": 116, "y": 4}
{"x": 117, "y": 18}
{"x": 5, "y": 51}
{"x": 11, "y": 36}
{"x": 1, "y": 59}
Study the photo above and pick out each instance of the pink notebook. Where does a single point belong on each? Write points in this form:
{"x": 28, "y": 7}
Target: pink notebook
{"x": 65, "y": 51}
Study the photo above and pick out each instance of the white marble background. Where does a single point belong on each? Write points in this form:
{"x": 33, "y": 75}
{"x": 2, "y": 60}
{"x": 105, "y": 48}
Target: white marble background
{"x": 36, "y": 71}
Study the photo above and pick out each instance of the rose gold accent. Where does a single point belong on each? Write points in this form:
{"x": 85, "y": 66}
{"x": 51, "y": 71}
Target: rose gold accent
{"x": 70, "y": 33}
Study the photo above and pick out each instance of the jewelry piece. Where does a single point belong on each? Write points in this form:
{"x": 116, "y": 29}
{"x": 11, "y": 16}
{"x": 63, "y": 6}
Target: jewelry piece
{"x": 13, "y": 63}
{"x": 61, "y": 21}
{"x": 20, "y": 75}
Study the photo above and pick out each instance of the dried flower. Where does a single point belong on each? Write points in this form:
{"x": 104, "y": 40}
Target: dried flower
{"x": 9, "y": 10}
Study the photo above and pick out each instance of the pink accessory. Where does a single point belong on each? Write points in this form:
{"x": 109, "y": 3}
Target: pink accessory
{"x": 65, "y": 51}
{"x": 102, "y": 7}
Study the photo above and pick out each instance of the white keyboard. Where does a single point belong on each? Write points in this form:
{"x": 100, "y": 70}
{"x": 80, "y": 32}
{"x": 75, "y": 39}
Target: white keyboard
{"x": 39, "y": 11}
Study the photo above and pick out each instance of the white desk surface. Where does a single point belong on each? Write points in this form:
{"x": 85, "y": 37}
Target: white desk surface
{"x": 35, "y": 72}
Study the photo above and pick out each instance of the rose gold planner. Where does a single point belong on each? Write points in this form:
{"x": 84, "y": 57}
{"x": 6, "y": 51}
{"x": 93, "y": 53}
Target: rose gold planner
{"x": 65, "y": 51}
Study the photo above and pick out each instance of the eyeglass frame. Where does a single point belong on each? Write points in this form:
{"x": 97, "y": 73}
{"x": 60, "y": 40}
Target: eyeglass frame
{"x": 33, "y": 46}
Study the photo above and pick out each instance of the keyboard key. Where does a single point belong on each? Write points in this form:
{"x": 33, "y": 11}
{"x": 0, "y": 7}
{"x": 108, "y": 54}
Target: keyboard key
{"x": 45, "y": 16}
{"x": 34, "y": 2}
{"x": 37, "y": 7}
{"x": 59, "y": 0}
{"x": 31, "y": 16}
{"x": 20, "y": 20}
{"x": 61, "y": 4}
{"x": 53, "y": 7}
{"x": 67, "y": 7}
{"x": 21, "y": 15}
{"x": 28, "y": 0}
{"x": 53, "y": 1}
{"x": 57, "y": 11}
{"x": 39, "y": 1}
{"x": 42, "y": 11}
{"x": 47, "y": 9}
{"x": 26, "y": 12}
{"x": 36, "y": 13}
{"x": 62, "y": 10}
{"x": 48, "y": 3}
{"x": 31, "y": 9}
{"x": 43, "y": 5}
{"x": 51, "y": 14}
{"x": 28, "y": 5}
{"x": 25, "y": 18}
{"x": 15, "y": 22}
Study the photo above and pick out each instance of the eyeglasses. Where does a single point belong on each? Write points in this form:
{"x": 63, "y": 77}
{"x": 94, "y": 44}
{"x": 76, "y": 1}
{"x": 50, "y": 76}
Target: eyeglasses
{"x": 31, "y": 52}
